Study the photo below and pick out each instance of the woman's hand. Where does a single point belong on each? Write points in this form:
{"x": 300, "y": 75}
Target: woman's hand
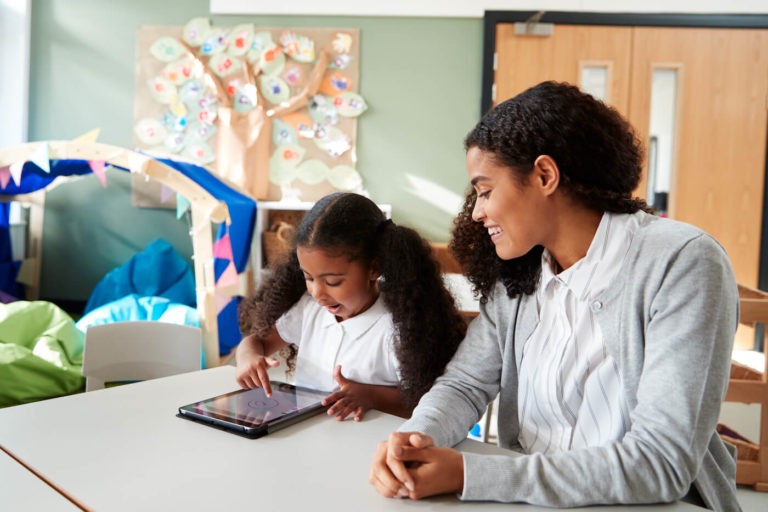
{"x": 410, "y": 465}
{"x": 252, "y": 365}
{"x": 351, "y": 398}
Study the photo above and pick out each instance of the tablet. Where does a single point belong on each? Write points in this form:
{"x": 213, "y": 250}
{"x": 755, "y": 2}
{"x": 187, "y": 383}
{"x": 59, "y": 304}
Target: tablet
{"x": 250, "y": 413}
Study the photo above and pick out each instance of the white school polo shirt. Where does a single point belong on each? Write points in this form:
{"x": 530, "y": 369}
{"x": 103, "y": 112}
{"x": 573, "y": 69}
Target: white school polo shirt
{"x": 362, "y": 345}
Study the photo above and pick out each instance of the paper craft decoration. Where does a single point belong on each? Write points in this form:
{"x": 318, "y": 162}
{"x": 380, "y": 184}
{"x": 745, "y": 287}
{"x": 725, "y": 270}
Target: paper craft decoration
{"x": 272, "y": 110}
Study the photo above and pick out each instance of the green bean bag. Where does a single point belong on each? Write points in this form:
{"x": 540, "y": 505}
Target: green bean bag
{"x": 41, "y": 353}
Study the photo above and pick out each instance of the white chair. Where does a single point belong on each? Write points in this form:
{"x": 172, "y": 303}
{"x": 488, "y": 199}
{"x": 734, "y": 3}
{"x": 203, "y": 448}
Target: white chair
{"x": 141, "y": 350}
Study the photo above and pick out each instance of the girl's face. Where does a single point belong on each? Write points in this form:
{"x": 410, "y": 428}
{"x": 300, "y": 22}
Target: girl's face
{"x": 345, "y": 288}
{"x": 513, "y": 213}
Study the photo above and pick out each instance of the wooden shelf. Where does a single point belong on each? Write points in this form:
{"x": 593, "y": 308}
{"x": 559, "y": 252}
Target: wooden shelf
{"x": 753, "y": 308}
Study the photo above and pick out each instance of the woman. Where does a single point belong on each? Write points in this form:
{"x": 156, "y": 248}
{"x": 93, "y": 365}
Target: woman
{"x": 606, "y": 331}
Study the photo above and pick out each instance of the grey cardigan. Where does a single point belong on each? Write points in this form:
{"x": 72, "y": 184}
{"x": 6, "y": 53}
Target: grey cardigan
{"x": 669, "y": 321}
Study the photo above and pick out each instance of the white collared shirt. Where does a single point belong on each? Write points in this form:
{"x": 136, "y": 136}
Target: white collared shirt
{"x": 570, "y": 391}
{"x": 362, "y": 345}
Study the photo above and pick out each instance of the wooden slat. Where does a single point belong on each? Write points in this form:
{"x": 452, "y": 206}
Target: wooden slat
{"x": 746, "y": 391}
{"x": 747, "y": 472}
{"x": 444, "y": 257}
{"x": 753, "y": 310}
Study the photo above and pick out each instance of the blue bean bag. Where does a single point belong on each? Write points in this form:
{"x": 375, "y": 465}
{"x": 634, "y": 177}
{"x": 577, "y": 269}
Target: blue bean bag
{"x": 133, "y": 307}
{"x": 157, "y": 271}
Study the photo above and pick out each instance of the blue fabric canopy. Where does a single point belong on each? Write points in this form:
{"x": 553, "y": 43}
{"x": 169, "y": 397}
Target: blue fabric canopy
{"x": 242, "y": 209}
{"x": 242, "y": 212}
{"x": 34, "y": 178}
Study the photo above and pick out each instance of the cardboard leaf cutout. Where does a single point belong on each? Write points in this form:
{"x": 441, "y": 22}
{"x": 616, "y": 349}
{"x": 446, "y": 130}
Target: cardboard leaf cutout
{"x": 196, "y": 31}
{"x": 350, "y": 104}
{"x": 344, "y": 177}
{"x": 239, "y": 40}
{"x": 224, "y": 65}
{"x": 274, "y": 89}
{"x": 283, "y": 133}
{"x": 272, "y": 60}
{"x": 214, "y": 43}
{"x": 261, "y": 41}
{"x": 150, "y": 131}
{"x": 312, "y": 172}
{"x": 167, "y": 49}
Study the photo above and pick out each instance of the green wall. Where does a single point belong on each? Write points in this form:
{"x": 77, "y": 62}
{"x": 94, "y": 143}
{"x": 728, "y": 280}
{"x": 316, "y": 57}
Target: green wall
{"x": 420, "y": 77}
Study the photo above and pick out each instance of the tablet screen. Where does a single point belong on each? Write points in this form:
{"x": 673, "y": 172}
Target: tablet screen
{"x": 252, "y": 409}
{"x": 255, "y": 407}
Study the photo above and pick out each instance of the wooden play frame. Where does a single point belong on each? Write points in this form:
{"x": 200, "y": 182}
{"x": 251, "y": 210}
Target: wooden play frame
{"x": 206, "y": 210}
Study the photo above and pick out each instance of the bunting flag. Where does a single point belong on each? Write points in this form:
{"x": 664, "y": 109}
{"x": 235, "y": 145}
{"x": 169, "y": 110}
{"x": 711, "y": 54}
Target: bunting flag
{"x": 222, "y": 248}
{"x": 165, "y": 193}
{"x": 228, "y": 277}
{"x": 40, "y": 157}
{"x": 16, "y": 168}
{"x": 90, "y": 136}
{"x": 5, "y": 176}
{"x": 221, "y": 302}
{"x": 182, "y": 205}
{"x": 26, "y": 273}
{"x": 97, "y": 166}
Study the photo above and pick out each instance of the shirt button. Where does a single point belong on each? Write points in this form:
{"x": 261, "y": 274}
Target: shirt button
{"x": 596, "y": 306}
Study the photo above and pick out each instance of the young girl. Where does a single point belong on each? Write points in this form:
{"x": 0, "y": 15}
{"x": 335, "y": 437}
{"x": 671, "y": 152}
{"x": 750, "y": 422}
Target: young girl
{"x": 364, "y": 302}
{"x": 605, "y": 331}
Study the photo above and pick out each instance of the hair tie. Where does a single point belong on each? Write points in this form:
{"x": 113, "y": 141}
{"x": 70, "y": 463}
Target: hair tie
{"x": 384, "y": 225}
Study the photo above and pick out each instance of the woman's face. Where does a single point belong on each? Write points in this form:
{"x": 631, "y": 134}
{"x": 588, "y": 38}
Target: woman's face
{"x": 512, "y": 212}
{"x": 345, "y": 288}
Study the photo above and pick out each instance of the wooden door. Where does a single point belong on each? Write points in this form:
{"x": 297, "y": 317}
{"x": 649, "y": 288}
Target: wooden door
{"x": 719, "y": 169}
{"x": 523, "y": 61}
{"x": 720, "y": 129}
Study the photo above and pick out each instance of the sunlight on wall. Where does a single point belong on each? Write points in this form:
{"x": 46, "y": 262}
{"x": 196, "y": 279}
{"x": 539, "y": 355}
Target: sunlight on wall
{"x": 438, "y": 196}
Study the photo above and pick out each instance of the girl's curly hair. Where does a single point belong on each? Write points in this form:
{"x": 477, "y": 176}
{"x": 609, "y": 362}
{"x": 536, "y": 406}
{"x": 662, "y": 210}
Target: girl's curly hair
{"x": 596, "y": 150}
{"x": 428, "y": 325}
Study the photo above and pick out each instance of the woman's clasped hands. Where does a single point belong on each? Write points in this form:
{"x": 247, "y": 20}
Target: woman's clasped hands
{"x": 409, "y": 465}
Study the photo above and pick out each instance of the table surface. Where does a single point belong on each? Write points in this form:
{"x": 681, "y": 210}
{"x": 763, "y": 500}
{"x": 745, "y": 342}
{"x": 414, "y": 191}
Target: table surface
{"x": 124, "y": 448}
{"x": 23, "y": 490}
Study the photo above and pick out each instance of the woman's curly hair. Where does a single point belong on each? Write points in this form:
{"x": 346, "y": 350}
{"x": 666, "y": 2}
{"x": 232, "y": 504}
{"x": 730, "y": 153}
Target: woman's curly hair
{"x": 428, "y": 325}
{"x": 596, "y": 150}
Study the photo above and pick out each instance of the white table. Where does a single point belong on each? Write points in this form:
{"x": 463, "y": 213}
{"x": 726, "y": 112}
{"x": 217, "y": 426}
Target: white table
{"x": 22, "y": 490}
{"x": 124, "y": 449}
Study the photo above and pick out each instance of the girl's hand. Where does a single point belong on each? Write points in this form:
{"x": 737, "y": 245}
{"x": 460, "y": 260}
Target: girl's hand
{"x": 409, "y": 465}
{"x": 351, "y": 398}
{"x": 252, "y": 365}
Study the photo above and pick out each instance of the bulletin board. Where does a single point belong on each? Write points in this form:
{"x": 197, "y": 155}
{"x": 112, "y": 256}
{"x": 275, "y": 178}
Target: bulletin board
{"x": 271, "y": 110}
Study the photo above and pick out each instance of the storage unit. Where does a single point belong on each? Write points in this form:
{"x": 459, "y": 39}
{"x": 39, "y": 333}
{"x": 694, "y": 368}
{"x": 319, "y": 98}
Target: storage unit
{"x": 750, "y": 389}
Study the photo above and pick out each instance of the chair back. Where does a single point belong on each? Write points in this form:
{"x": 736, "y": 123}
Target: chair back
{"x": 140, "y": 350}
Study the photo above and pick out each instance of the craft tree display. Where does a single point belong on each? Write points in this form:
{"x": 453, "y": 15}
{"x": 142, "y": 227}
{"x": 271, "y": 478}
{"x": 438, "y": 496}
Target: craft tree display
{"x": 271, "y": 110}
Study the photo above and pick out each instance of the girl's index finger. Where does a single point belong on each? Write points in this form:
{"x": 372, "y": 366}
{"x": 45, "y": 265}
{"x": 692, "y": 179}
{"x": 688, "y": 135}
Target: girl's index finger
{"x": 263, "y": 376}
